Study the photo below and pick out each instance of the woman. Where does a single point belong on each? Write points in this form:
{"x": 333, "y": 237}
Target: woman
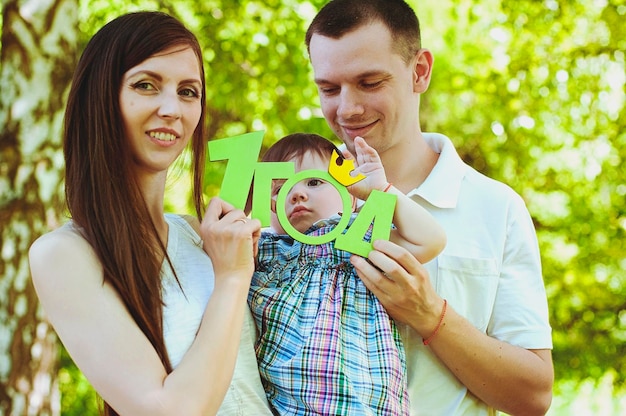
{"x": 151, "y": 320}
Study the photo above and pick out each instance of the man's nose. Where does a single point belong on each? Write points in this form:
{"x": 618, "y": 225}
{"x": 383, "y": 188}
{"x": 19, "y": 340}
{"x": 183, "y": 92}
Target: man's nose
{"x": 350, "y": 103}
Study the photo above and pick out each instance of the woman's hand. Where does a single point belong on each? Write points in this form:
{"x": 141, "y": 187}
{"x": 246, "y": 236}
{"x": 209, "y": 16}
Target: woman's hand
{"x": 230, "y": 240}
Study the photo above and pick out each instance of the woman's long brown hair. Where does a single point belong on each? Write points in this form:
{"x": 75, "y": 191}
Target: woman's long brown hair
{"x": 102, "y": 193}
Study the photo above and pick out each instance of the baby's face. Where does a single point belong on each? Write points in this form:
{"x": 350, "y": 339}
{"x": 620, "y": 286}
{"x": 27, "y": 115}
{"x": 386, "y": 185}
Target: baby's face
{"x": 309, "y": 200}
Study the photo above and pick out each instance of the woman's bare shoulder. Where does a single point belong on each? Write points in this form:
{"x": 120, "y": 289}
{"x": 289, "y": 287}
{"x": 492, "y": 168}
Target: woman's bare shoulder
{"x": 59, "y": 257}
{"x": 63, "y": 241}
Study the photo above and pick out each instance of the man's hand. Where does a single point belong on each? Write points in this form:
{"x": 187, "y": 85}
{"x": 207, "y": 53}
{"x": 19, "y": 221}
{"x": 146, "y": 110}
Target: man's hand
{"x": 508, "y": 378}
{"x": 402, "y": 285}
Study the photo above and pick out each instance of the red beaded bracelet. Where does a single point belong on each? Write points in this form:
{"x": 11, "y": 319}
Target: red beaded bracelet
{"x": 443, "y": 313}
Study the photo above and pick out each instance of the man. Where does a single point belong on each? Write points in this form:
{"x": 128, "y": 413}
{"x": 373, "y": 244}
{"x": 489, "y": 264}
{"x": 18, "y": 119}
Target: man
{"x": 477, "y": 334}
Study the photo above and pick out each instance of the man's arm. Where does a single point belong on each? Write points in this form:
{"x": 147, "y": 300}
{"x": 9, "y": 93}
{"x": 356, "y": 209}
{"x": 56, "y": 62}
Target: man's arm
{"x": 416, "y": 229}
{"x": 509, "y": 378}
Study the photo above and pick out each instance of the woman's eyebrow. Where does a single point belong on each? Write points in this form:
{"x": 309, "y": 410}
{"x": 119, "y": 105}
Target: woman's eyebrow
{"x": 158, "y": 76}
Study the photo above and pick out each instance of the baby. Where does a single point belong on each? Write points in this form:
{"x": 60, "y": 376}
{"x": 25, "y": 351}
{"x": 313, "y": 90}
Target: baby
{"x": 325, "y": 344}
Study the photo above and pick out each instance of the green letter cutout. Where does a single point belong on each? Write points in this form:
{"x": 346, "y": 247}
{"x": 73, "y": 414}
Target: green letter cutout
{"x": 264, "y": 174}
{"x": 242, "y": 153}
{"x": 284, "y": 221}
{"x": 378, "y": 209}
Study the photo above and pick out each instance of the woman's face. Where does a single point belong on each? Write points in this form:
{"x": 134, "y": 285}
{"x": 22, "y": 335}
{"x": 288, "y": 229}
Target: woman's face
{"x": 160, "y": 104}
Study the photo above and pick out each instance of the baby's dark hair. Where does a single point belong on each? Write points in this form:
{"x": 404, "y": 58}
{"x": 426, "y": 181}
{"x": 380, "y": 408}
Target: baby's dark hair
{"x": 296, "y": 145}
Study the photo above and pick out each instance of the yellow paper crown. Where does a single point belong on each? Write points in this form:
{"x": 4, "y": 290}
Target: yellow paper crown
{"x": 340, "y": 168}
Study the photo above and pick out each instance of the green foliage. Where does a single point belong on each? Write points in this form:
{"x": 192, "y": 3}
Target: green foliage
{"x": 78, "y": 398}
{"x": 533, "y": 94}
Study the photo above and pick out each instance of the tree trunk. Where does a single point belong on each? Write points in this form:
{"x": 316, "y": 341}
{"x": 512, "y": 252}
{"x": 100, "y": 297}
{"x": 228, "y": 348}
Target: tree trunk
{"x": 39, "y": 47}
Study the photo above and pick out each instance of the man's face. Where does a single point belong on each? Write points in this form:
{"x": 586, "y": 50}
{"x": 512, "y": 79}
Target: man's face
{"x": 365, "y": 88}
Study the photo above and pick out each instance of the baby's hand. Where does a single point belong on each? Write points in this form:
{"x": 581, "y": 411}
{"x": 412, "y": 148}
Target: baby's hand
{"x": 368, "y": 163}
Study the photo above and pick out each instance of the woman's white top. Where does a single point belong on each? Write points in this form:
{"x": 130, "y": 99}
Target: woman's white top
{"x": 183, "y": 311}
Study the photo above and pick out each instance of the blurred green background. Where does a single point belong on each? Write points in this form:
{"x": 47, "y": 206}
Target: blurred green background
{"x": 531, "y": 92}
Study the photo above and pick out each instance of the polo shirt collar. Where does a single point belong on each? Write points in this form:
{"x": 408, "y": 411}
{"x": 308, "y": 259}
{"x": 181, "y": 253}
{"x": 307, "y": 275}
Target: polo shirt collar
{"x": 443, "y": 185}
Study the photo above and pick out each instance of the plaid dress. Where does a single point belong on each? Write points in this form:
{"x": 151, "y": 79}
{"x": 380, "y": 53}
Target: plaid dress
{"x": 326, "y": 346}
